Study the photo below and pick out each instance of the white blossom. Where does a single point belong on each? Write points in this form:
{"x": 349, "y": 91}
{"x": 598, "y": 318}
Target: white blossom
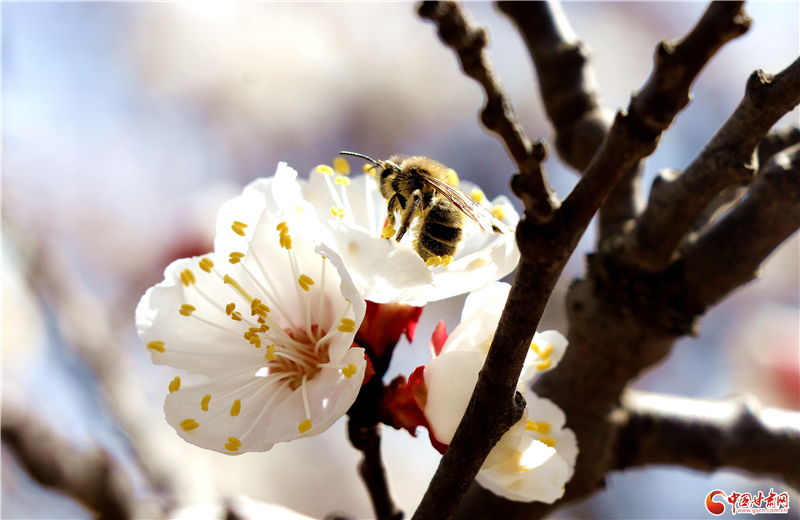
{"x": 536, "y": 457}
{"x": 266, "y": 322}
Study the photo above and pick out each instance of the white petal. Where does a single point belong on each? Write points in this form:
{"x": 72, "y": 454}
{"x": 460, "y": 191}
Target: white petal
{"x": 508, "y": 444}
{"x": 536, "y": 474}
{"x": 541, "y": 409}
{"x": 490, "y": 297}
{"x": 450, "y": 379}
{"x": 475, "y": 271}
{"x": 531, "y": 367}
{"x": 382, "y": 270}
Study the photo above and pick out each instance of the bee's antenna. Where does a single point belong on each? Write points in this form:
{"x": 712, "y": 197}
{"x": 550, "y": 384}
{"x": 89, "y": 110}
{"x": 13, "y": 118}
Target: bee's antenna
{"x": 370, "y": 159}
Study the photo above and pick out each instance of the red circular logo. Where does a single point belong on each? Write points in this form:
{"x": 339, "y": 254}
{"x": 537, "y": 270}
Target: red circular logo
{"x": 713, "y": 507}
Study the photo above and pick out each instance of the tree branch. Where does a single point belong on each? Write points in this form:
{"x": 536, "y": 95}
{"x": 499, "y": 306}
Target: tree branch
{"x": 367, "y": 439}
{"x": 567, "y": 86}
{"x": 743, "y": 238}
{"x": 92, "y": 477}
{"x": 728, "y": 159}
{"x": 545, "y": 246}
{"x": 635, "y": 135}
{"x": 735, "y": 433}
{"x": 457, "y": 30}
{"x": 776, "y": 140}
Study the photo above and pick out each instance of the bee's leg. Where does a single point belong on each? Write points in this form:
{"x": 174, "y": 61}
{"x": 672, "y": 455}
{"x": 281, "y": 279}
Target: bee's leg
{"x": 408, "y": 214}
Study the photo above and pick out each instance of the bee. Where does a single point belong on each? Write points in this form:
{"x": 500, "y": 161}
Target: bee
{"x": 420, "y": 189}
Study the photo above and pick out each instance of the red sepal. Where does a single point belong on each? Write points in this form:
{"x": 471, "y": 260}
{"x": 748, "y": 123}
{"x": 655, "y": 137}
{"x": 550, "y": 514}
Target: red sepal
{"x": 383, "y": 325}
{"x": 438, "y": 338}
{"x": 369, "y": 371}
{"x": 399, "y": 409}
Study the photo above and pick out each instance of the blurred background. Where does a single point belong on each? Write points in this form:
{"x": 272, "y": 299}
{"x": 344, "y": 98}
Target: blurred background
{"x": 125, "y": 126}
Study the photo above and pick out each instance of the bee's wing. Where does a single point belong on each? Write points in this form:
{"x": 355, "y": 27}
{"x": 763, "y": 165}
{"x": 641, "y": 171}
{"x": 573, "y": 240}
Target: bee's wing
{"x": 466, "y": 204}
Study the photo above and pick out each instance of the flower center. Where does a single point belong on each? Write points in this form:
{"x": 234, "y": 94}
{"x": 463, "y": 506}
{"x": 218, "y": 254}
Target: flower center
{"x": 306, "y": 359}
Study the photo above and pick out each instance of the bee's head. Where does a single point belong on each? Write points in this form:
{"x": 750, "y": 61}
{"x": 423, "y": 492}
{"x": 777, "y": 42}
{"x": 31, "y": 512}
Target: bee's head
{"x": 388, "y": 169}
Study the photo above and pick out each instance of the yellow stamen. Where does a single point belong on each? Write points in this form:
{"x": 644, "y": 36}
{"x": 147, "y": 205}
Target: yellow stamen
{"x": 337, "y": 212}
{"x": 350, "y": 370}
{"x": 535, "y": 347}
{"x": 342, "y": 181}
{"x": 531, "y": 426}
{"x": 189, "y": 424}
{"x": 305, "y": 281}
{"x": 544, "y": 365}
{"x": 234, "y": 440}
{"x": 433, "y": 261}
{"x": 187, "y": 309}
{"x": 545, "y": 353}
{"x": 369, "y": 169}
{"x": 175, "y": 384}
{"x": 345, "y": 328}
{"x": 158, "y": 346}
{"x": 282, "y": 225}
{"x": 187, "y": 277}
{"x": 348, "y": 322}
{"x": 325, "y": 169}
{"x": 230, "y": 308}
{"x": 550, "y": 441}
{"x": 236, "y": 316}
{"x": 206, "y": 264}
{"x": 499, "y": 212}
{"x": 235, "y": 257}
{"x": 238, "y": 227}
{"x": 477, "y": 195}
{"x": 388, "y": 231}
{"x": 452, "y": 177}
{"x": 204, "y": 402}
{"x": 447, "y": 260}
{"x": 233, "y": 444}
{"x": 341, "y": 166}
{"x": 270, "y": 355}
{"x": 235, "y": 284}
{"x": 543, "y": 427}
{"x": 236, "y": 408}
{"x": 286, "y": 240}
{"x": 304, "y": 426}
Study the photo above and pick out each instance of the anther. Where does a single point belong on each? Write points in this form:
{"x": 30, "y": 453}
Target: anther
{"x": 189, "y": 424}
{"x": 270, "y": 355}
{"x": 477, "y": 195}
{"x": 282, "y": 225}
{"x": 543, "y": 427}
{"x": 229, "y": 308}
{"x": 433, "y": 261}
{"x": 348, "y": 322}
{"x": 204, "y": 402}
{"x": 324, "y": 169}
{"x": 233, "y": 444}
{"x": 304, "y": 426}
{"x": 236, "y": 408}
{"x": 187, "y": 309}
{"x": 342, "y": 181}
{"x": 531, "y": 426}
{"x": 175, "y": 384}
{"x": 369, "y": 169}
{"x": 235, "y": 284}
{"x": 549, "y": 441}
{"x": 238, "y": 227}
{"x": 388, "y": 231}
{"x": 158, "y": 346}
{"x": 235, "y": 257}
{"x": 305, "y": 281}
{"x": 337, "y": 212}
{"x": 452, "y": 177}
{"x": 544, "y": 365}
{"x": 499, "y": 211}
{"x": 236, "y": 316}
{"x": 341, "y": 166}
{"x": 187, "y": 277}
{"x": 350, "y": 370}
{"x": 206, "y": 264}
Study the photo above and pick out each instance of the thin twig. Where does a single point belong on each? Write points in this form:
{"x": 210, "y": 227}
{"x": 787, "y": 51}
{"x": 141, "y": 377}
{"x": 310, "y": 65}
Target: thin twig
{"x": 728, "y": 159}
{"x": 735, "y": 433}
{"x": 567, "y": 85}
{"x": 368, "y": 441}
{"x": 457, "y": 29}
{"x": 748, "y": 233}
{"x": 91, "y": 476}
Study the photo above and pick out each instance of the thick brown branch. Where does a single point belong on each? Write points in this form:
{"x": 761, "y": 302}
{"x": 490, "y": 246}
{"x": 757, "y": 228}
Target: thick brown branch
{"x": 566, "y": 82}
{"x": 743, "y": 238}
{"x": 457, "y": 30}
{"x": 708, "y": 435}
{"x": 635, "y": 135}
{"x": 728, "y": 159}
{"x": 92, "y": 477}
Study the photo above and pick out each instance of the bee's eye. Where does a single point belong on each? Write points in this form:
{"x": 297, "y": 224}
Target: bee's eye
{"x": 385, "y": 173}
